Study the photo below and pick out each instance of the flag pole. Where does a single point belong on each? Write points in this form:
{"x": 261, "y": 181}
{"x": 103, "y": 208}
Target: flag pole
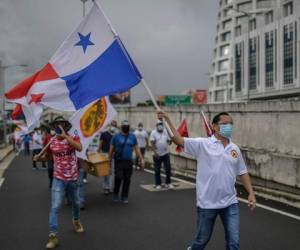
{"x": 143, "y": 81}
{"x": 156, "y": 105}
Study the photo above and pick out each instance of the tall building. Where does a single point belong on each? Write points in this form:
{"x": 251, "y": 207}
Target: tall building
{"x": 256, "y": 50}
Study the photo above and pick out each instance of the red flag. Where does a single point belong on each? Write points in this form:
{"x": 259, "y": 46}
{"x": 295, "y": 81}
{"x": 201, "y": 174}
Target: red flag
{"x": 183, "y": 131}
{"x": 207, "y": 127}
{"x": 17, "y": 112}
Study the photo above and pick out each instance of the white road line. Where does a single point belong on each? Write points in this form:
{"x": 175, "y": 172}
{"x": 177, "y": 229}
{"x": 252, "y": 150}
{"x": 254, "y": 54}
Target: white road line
{"x": 1, "y": 181}
{"x": 274, "y": 210}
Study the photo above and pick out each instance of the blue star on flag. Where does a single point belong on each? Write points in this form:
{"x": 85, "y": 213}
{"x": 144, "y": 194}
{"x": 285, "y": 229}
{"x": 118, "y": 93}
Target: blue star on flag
{"x": 84, "y": 41}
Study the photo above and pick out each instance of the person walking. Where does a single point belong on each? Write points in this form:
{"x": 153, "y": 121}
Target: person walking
{"x": 63, "y": 147}
{"x": 104, "y": 145}
{"x": 142, "y": 140}
{"x": 160, "y": 142}
{"x": 36, "y": 146}
{"x": 219, "y": 161}
{"x": 26, "y": 140}
{"x": 48, "y": 137}
{"x": 121, "y": 150}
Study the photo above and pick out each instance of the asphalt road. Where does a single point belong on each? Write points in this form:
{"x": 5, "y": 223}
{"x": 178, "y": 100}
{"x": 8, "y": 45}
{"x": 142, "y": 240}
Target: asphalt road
{"x": 151, "y": 221}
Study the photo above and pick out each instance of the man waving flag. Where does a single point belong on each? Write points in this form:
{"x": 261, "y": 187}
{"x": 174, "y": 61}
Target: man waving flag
{"x": 91, "y": 63}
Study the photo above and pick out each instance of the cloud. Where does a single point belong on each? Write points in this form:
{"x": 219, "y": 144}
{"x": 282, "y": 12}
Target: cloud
{"x": 171, "y": 41}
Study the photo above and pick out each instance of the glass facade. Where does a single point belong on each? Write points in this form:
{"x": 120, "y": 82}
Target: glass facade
{"x": 288, "y": 58}
{"x": 238, "y": 68}
{"x": 269, "y": 57}
{"x": 252, "y": 63}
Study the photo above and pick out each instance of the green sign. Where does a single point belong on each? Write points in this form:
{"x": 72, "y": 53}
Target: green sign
{"x": 172, "y": 100}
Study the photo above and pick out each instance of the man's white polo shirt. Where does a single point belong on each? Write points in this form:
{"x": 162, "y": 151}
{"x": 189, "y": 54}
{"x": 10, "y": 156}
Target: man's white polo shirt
{"x": 217, "y": 168}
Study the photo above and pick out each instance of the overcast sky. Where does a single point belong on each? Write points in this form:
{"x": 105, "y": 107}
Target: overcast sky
{"x": 171, "y": 41}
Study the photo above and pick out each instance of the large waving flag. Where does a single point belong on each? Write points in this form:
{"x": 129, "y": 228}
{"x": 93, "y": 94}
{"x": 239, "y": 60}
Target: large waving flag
{"x": 90, "y": 120}
{"x": 91, "y": 63}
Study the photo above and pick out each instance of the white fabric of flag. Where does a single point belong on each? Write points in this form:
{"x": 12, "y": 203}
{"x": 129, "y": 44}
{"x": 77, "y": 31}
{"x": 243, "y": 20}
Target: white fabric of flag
{"x": 90, "y": 121}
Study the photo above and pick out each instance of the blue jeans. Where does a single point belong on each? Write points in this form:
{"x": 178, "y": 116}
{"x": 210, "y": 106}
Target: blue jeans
{"x": 81, "y": 186}
{"x": 59, "y": 189}
{"x": 230, "y": 217}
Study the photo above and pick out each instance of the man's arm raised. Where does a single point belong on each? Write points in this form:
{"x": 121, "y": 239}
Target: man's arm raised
{"x": 176, "y": 138}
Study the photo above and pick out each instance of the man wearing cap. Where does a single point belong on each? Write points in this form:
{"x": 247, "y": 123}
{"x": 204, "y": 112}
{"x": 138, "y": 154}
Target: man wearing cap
{"x": 121, "y": 149}
{"x": 160, "y": 142}
{"x": 62, "y": 148}
{"x": 219, "y": 161}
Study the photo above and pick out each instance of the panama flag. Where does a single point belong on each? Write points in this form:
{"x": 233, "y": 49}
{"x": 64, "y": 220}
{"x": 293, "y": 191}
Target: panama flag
{"x": 90, "y": 120}
{"x": 91, "y": 63}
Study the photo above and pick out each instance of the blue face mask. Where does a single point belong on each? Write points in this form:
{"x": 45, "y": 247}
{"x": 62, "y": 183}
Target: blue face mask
{"x": 226, "y": 130}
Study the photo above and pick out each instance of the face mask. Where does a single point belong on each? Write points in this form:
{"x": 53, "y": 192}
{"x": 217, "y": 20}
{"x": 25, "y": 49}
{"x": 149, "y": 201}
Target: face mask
{"x": 140, "y": 128}
{"x": 160, "y": 128}
{"x": 226, "y": 130}
{"x": 112, "y": 129}
{"x": 125, "y": 129}
{"x": 52, "y": 132}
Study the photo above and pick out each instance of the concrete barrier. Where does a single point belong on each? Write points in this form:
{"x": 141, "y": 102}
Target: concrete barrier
{"x": 267, "y": 132}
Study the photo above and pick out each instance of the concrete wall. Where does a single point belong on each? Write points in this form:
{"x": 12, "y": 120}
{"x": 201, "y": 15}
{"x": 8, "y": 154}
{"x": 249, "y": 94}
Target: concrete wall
{"x": 267, "y": 132}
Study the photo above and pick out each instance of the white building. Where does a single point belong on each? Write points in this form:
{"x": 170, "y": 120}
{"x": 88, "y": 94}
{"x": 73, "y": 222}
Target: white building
{"x": 256, "y": 51}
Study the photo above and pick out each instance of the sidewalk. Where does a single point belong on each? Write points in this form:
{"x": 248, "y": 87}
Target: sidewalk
{"x": 4, "y": 152}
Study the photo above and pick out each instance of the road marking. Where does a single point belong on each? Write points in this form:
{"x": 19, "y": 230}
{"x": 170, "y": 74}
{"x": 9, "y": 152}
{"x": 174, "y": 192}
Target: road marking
{"x": 274, "y": 210}
{"x": 1, "y": 181}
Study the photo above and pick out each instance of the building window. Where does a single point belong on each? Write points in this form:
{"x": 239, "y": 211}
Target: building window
{"x": 238, "y": 67}
{"x": 269, "y": 55}
{"x": 219, "y": 96}
{"x": 226, "y": 24}
{"x": 223, "y": 65}
{"x": 238, "y": 30}
{"x": 269, "y": 17}
{"x": 227, "y": 12}
{"x": 225, "y": 37}
{"x": 288, "y": 49}
{"x": 224, "y": 50}
{"x": 230, "y": 94}
{"x": 245, "y": 6}
{"x": 252, "y": 63}
{"x": 252, "y": 24}
{"x": 222, "y": 80}
{"x": 288, "y": 9}
{"x": 264, "y": 4}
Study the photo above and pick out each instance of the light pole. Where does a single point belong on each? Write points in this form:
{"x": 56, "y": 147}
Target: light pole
{"x": 2, "y": 91}
{"x": 83, "y": 7}
{"x": 249, "y": 16}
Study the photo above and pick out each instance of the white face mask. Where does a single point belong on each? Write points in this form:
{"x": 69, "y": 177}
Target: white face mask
{"x": 52, "y": 132}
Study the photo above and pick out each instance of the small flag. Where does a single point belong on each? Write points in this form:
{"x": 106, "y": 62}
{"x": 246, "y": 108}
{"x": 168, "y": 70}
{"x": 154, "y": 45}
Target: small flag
{"x": 183, "y": 131}
{"x": 207, "y": 127}
{"x": 90, "y": 120}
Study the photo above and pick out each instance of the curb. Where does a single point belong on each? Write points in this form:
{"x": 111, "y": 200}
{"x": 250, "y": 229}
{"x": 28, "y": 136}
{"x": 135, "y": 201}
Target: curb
{"x": 8, "y": 150}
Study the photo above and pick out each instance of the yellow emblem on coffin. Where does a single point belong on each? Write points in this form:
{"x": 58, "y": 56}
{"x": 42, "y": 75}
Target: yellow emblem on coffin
{"x": 93, "y": 118}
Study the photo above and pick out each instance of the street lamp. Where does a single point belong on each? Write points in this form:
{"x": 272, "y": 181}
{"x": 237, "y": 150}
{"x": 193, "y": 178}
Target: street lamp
{"x": 249, "y": 16}
{"x": 2, "y": 91}
{"x": 83, "y": 6}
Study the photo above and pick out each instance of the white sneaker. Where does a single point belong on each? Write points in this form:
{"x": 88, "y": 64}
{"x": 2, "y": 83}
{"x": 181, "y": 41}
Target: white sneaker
{"x": 157, "y": 187}
{"x": 170, "y": 186}
{"x": 84, "y": 180}
{"x": 189, "y": 248}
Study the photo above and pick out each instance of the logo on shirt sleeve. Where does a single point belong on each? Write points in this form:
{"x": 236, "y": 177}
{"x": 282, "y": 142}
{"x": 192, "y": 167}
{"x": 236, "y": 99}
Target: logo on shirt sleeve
{"x": 233, "y": 153}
